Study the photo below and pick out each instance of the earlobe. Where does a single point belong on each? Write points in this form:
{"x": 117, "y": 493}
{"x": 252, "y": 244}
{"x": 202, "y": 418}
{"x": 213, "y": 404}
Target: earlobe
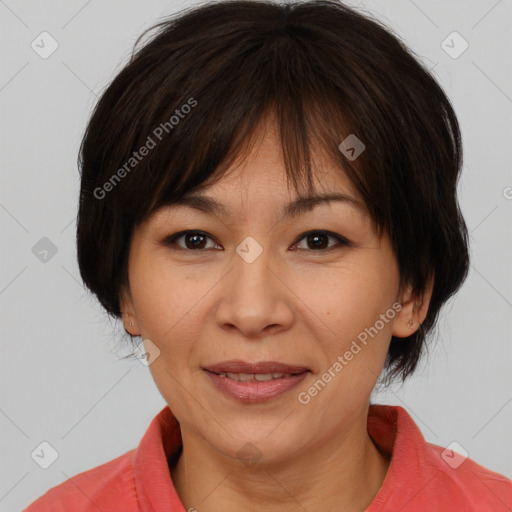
{"x": 128, "y": 313}
{"x": 129, "y": 325}
{"x": 413, "y": 312}
{"x": 404, "y": 325}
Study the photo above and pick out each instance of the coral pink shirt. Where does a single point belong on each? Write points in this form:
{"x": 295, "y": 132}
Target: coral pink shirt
{"x": 421, "y": 476}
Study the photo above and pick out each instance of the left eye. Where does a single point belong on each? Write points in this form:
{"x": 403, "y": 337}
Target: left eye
{"x": 319, "y": 240}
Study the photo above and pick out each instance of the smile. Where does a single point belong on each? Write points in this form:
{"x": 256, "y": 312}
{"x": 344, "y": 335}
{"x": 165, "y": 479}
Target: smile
{"x": 255, "y": 382}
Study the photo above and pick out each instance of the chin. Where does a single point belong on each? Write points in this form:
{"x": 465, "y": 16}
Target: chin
{"x": 257, "y": 441}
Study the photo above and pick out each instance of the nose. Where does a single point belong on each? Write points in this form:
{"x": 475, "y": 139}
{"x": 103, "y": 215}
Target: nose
{"x": 256, "y": 298}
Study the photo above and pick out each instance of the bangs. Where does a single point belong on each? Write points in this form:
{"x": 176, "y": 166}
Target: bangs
{"x": 257, "y": 84}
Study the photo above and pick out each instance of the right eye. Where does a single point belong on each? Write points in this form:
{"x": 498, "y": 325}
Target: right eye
{"x": 189, "y": 241}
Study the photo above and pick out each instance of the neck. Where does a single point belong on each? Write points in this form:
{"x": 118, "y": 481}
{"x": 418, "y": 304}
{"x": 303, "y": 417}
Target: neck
{"x": 343, "y": 473}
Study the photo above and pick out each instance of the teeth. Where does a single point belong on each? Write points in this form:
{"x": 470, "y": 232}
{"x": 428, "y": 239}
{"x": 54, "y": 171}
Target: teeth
{"x": 261, "y": 377}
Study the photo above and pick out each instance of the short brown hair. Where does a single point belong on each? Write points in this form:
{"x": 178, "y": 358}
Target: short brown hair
{"x": 209, "y": 74}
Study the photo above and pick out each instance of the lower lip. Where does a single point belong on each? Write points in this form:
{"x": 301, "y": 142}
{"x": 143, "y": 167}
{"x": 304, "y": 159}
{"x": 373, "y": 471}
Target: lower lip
{"x": 253, "y": 390}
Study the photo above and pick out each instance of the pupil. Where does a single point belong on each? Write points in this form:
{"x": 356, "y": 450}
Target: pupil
{"x": 315, "y": 239}
{"x": 194, "y": 239}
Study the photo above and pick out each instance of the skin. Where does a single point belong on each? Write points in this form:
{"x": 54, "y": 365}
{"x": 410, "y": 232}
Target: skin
{"x": 294, "y": 304}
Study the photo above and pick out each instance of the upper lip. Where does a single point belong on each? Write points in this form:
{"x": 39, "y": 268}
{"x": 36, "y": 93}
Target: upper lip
{"x": 237, "y": 366}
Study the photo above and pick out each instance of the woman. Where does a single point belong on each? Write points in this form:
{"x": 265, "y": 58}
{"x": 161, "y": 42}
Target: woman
{"x": 268, "y": 200}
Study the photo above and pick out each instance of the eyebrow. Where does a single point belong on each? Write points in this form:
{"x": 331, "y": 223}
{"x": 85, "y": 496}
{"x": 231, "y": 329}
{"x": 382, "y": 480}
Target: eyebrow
{"x": 294, "y": 208}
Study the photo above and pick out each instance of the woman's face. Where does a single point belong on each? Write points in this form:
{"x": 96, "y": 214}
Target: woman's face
{"x": 254, "y": 287}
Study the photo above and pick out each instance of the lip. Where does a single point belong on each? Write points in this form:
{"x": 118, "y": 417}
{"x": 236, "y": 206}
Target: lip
{"x": 255, "y": 391}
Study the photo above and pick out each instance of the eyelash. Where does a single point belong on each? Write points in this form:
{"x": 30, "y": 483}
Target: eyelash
{"x": 170, "y": 241}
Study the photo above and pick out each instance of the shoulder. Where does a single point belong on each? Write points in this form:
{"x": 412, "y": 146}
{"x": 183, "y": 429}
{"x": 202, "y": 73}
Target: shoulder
{"x": 425, "y": 476}
{"x": 454, "y": 476}
{"x": 104, "y": 487}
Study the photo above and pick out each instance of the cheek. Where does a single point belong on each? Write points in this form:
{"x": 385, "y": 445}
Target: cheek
{"x": 168, "y": 301}
{"x": 345, "y": 302}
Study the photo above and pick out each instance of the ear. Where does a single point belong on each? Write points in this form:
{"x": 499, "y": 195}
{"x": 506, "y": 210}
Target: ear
{"x": 413, "y": 312}
{"x": 128, "y": 314}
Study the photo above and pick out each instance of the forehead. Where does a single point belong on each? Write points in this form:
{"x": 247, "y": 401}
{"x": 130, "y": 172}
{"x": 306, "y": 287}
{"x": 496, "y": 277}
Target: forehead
{"x": 256, "y": 183}
{"x": 261, "y": 169}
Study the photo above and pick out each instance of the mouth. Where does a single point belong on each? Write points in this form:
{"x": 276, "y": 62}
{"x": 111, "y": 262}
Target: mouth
{"x": 255, "y": 382}
{"x": 260, "y": 377}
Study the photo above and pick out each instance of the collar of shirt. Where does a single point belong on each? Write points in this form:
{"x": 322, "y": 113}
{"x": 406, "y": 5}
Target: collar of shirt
{"x": 163, "y": 439}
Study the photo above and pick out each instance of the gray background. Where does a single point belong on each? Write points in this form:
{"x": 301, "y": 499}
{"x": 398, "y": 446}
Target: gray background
{"x": 62, "y": 379}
